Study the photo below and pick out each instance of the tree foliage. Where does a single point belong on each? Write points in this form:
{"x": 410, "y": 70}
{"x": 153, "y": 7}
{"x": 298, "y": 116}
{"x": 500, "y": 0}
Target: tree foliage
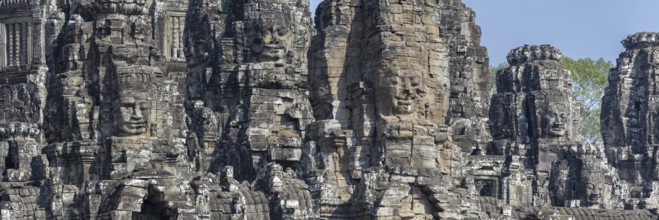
{"x": 589, "y": 79}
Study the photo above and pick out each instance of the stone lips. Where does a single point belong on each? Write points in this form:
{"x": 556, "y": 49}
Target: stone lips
{"x": 528, "y": 53}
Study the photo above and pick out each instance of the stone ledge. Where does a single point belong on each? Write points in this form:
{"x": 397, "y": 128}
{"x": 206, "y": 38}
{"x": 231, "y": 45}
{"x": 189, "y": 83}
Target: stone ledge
{"x": 641, "y": 40}
{"x": 528, "y": 53}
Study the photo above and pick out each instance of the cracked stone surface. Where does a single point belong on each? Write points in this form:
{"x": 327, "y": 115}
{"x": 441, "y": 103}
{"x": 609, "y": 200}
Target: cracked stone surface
{"x": 376, "y": 109}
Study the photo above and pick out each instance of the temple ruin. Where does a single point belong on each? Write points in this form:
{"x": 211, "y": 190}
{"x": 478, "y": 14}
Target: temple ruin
{"x": 374, "y": 109}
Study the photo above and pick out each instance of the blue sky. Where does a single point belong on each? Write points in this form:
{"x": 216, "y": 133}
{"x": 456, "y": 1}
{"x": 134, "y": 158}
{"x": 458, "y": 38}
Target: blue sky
{"x": 579, "y": 28}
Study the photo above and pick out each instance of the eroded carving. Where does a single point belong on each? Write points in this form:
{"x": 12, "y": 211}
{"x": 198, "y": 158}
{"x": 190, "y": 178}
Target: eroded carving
{"x": 387, "y": 120}
{"x": 131, "y": 113}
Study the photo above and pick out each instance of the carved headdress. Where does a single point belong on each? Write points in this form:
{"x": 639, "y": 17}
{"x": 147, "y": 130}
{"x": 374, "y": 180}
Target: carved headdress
{"x": 134, "y": 79}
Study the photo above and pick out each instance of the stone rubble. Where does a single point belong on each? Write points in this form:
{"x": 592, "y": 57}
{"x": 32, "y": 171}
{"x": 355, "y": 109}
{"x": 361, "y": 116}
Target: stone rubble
{"x": 243, "y": 110}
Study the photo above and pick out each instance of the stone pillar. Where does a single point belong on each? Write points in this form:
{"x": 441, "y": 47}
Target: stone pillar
{"x": 174, "y": 33}
{"x": 16, "y": 61}
{"x": 11, "y": 41}
{"x": 3, "y": 45}
{"x": 25, "y": 37}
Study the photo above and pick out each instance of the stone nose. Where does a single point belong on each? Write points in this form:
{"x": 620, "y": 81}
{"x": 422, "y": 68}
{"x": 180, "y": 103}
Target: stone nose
{"x": 137, "y": 113}
{"x": 407, "y": 93}
{"x": 406, "y": 88}
{"x": 274, "y": 40}
{"x": 558, "y": 119}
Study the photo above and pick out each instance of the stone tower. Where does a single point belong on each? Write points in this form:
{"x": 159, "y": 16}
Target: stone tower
{"x": 247, "y": 96}
{"x": 629, "y": 120}
{"x": 534, "y": 121}
{"x": 373, "y": 65}
{"x": 247, "y": 62}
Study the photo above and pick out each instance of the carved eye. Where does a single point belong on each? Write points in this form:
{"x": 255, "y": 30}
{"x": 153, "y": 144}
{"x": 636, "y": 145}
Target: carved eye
{"x": 127, "y": 104}
{"x": 281, "y": 31}
{"x": 142, "y": 103}
{"x": 562, "y": 115}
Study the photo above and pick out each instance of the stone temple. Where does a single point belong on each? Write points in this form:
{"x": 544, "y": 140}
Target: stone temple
{"x": 252, "y": 109}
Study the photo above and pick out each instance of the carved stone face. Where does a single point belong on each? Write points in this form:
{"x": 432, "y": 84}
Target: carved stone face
{"x": 132, "y": 114}
{"x": 593, "y": 192}
{"x": 71, "y": 57}
{"x": 556, "y": 120}
{"x": 196, "y": 54}
{"x": 593, "y": 178}
{"x": 268, "y": 42}
{"x": 139, "y": 29}
{"x": 400, "y": 94}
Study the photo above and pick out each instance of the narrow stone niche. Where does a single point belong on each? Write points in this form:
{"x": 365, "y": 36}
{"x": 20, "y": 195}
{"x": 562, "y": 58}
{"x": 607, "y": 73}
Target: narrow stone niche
{"x": 173, "y": 44}
{"x": 15, "y": 42}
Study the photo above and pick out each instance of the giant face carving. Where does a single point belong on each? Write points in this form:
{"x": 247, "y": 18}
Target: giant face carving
{"x": 268, "y": 41}
{"x": 400, "y": 94}
{"x": 197, "y": 53}
{"x": 131, "y": 114}
{"x": 593, "y": 193}
{"x": 556, "y": 120}
{"x": 594, "y": 180}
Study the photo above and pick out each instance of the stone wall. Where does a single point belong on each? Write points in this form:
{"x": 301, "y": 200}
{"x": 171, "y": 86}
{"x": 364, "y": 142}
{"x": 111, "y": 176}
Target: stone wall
{"x": 243, "y": 110}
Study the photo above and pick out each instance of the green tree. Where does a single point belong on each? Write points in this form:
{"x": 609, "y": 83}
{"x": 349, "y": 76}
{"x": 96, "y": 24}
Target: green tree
{"x": 589, "y": 79}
